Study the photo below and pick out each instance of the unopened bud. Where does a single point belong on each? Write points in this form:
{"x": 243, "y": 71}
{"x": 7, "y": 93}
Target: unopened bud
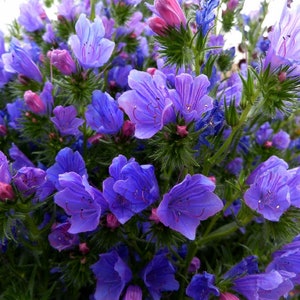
{"x": 151, "y": 71}
{"x": 232, "y": 4}
{"x": 112, "y": 221}
{"x": 3, "y": 130}
{"x": 6, "y": 191}
{"x": 268, "y": 144}
{"x": 62, "y": 60}
{"x": 133, "y": 292}
{"x": 194, "y": 265}
{"x": 83, "y": 248}
{"x": 228, "y": 296}
{"x": 154, "y": 217}
{"x": 34, "y": 102}
{"x": 128, "y": 129}
{"x": 181, "y": 131}
{"x": 282, "y": 76}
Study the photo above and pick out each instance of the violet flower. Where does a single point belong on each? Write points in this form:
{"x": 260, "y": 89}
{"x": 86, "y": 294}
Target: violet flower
{"x": 15, "y": 111}
{"x": 264, "y": 286}
{"x": 20, "y": 159}
{"x": 281, "y": 140}
{"x": 19, "y": 61}
{"x": 32, "y": 15}
{"x": 202, "y": 286}
{"x": 191, "y": 99}
{"x": 83, "y": 203}
{"x": 89, "y": 45}
{"x": 130, "y": 189}
{"x": 65, "y": 120}
{"x": 188, "y": 203}
{"x": 104, "y": 115}
{"x": 112, "y": 275}
{"x": 159, "y": 276}
{"x": 68, "y": 9}
{"x": 148, "y": 104}
{"x": 5, "y": 175}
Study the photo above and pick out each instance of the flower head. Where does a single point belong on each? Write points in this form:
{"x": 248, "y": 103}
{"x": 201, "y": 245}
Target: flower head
{"x": 187, "y": 203}
{"x": 112, "y": 274}
{"x": 89, "y": 45}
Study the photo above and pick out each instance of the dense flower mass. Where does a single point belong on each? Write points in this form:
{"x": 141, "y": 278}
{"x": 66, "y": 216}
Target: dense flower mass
{"x": 147, "y": 155}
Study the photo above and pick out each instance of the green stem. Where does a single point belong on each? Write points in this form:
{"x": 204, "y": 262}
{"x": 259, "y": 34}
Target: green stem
{"x": 93, "y": 9}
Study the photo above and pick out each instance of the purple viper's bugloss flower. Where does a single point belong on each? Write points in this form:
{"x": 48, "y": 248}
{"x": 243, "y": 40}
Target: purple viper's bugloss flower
{"x": 264, "y": 133}
{"x": 19, "y": 61}
{"x": 235, "y": 166}
{"x": 28, "y": 180}
{"x": 191, "y": 98}
{"x": 83, "y": 203}
{"x": 68, "y": 9}
{"x": 15, "y": 111}
{"x": 32, "y": 15}
{"x": 89, "y": 45}
{"x": 112, "y": 275}
{"x": 5, "y": 175}
{"x": 104, "y": 115}
{"x": 202, "y": 286}
{"x": 294, "y": 186}
{"x": 284, "y": 38}
{"x": 269, "y": 193}
{"x": 148, "y": 104}
{"x": 159, "y": 276}
{"x": 281, "y": 140}
{"x": 65, "y": 120}
{"x": 60, "y": 239}
{"x": 188, "y": 203}
{"x": 264, "y": 286}
{"x": 20, "y": 159}
{"x": 130, "y": 189}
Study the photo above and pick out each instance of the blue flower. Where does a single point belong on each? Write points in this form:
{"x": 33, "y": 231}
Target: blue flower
{"x": 83, "y": 203}
{"x": 188, "y": 203}
{"x": 65, "y": 120}
{"x": 112, "y": 274}
{"x": 202, "y": 286}
{"x": 89, "y": 45}
{"x": 19, "y": 61}
{"x": 191, "y": 99}
{"x": 104, "y": 115}
{"x": 264, "y": 286}
{"x": 130, "y": 189}
{"x": 159, "y": 276}
{"x": 148, "y": 104}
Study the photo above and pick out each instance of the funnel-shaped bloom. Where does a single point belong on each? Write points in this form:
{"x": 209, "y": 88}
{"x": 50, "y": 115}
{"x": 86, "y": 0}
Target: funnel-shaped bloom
{"x": 148, "y": 104}
{"x": 89, "y": 45}
{"x": 187, "y": 203}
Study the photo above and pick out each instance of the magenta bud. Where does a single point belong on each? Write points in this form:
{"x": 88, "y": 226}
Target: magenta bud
{"x": 228, "y": 296}
{"x": 268, "y": 144}
{"x": 194, "y": 265}
{"x": 112, "y": 221}
{"x": 232, "y": 4}
{"x": 83, "y": 248}
{"x": 154, "y": 217}
{"x": 128, "y": 129}
{"x": 6, "y": 191}
{"x": 133, "y": 292}
{"x": 3, "y": 130}
{"x": 34, "y": 102}
{"x": 151, "y": 71}
{"x": 181, "y": 131}
{"x": 158, "y": 25}
{"x": 95, "y": 138}
{"x": 62, "y": 60}
{"x": 282, "y": 76}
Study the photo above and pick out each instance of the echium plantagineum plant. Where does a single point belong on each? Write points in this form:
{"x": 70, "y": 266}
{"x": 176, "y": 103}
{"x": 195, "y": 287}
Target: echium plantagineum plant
{"x": 141, "y": 159}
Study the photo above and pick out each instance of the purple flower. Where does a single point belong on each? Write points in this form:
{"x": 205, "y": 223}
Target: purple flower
{"x": 62, "y": 60}
{"x": 187, "y": 203}
{"x": 264, "y": 133}
{"x": 68, "y": 9}
{"x": 191, "y": 99}
{"x": 49, "y": 35}
{"x": 28, "y": 180}
{"x": 235, "y": 166}
{"x": 20, "y": 159}
{"x": 283, "y": 40}
{"x": 159, "y": 276}
{"x": 104, "y": 115}
{"x": 130, "y": 189}
{"x": 202, "y": 286}
{"x": 148, "y": 104}
{"x": 112, "y": 275}
{"x": 65, "y": 120}
{"x": 19, "y": 61}
{"x": 264, "y": 286}
{"x": 89, "y": 45}
{"x": 60, "y": 239}
{"x": 5, "y": 175}
{"x": 32, "y": 15}
{"x": 247, "y": 266}
{"x": 15, "y": 110}
{"x": 294, "y": 186}
{"x": 281, "y": 140}
{"x": 269, "y": 193}
{"x": 80, "y": 201}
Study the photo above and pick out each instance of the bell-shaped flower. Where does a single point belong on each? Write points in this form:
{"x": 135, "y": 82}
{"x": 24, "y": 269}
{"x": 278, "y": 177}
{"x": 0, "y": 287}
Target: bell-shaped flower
{"x": 89, "y": 45}
{"x": 159, "y": 276}
{"x": 202, "y": 286}
{"x": 188, "y": 203}
{"x": 264, "y": 286}
{"x": 148, "y": 104}
{"x": 83, "y": 203}
{"x": 19, "y": 61}
{"x": 190, "y": 99}
{"x": 130, "y": 189}
{"x": 112, "y": 275}
{"x": 104, "y": 115}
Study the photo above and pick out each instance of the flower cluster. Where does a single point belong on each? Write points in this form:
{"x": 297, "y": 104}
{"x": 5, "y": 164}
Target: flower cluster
{"x": 142, "y": 159}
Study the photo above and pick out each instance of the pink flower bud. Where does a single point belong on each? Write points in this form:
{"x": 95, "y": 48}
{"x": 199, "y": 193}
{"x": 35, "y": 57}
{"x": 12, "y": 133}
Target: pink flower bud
{"x": 128, "y": 129}
{"x": 133, "y": 292}
{"x": 112, "y": 221}
{"x": 6, "y": 191}
{"x": 34, "y": 102}
{"x": 268, "y": 144}
{"x": 232, "y": 4}
{"x": 181, "y": 131}
{"x": 95, "y": 138}
{"x": 282, "y": 76}
{"x": 228, "y": 296}
{"x": 62, "y": 60}
{"x": 151, "y": 71}
{"x": 3, "y": 130}
{"x": 213, "y": 179}
{"x": 158, "y": 25}
{"x": 194, "y": 265}
{"x": 154, "y": 217}
{"x": 83, "y": 248}
{"x": 171, "y": 12}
